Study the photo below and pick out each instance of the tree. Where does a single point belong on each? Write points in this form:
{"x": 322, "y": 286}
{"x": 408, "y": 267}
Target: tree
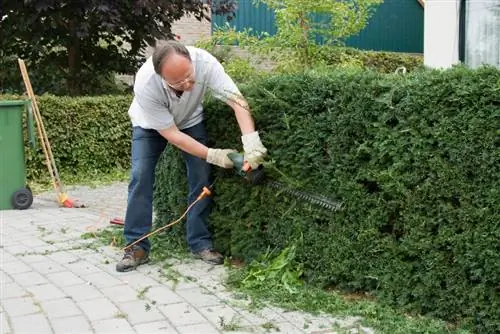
{"x": 300, "y": 23}
{"x": 84, "y": 38}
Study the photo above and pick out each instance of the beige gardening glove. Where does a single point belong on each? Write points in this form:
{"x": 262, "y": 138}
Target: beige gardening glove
{"x": 255, "y": 152}
{"x": 218, "y": 157}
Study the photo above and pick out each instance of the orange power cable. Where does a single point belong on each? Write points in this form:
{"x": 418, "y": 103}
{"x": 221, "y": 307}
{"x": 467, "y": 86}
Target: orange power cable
{"x": 205, "y": 192}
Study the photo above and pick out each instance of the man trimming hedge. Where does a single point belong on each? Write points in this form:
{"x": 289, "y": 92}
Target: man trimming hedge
{"x": 167, "y": 108}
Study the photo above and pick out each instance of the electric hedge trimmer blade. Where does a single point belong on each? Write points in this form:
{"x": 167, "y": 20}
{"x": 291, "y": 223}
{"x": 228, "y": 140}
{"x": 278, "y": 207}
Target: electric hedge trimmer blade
{"x": 313, "y": 199}
{"x": 257, "y": 176}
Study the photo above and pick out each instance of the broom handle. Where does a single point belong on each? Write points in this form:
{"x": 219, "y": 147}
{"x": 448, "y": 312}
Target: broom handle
{"x": 49, "y": 157}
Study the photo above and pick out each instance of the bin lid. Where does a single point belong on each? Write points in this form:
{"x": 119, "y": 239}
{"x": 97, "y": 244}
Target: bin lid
{"x": 13, "y": 102}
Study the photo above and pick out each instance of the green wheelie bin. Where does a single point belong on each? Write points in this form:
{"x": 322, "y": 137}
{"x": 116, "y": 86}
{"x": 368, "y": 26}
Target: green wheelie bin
{"x": 14, "y": 193}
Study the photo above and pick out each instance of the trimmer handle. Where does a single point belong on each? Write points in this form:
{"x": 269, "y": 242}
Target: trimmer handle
{"x": 254, "y": 176}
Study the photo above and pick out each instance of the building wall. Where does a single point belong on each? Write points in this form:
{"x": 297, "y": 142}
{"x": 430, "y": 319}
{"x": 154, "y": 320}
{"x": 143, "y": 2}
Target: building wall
{"x": 482, "y": 33}
{"x": 441, "y": 33}
{"x": 189, "y": 30}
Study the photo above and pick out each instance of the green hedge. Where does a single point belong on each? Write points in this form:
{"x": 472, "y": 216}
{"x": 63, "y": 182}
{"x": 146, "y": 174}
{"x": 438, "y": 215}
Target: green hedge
{"x": 384, "y": 62}
{"x": 86, "y": 134}
{"x": 414, "y": 158}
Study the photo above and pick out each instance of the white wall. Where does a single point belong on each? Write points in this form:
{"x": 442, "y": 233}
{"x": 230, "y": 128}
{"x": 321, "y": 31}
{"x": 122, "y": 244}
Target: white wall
{"x": 441, "y": 32}
{"x": 482, "y": 42}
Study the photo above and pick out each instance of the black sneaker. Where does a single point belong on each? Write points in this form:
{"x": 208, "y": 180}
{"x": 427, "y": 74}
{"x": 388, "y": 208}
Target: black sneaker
{"x": 134, "y": 256}
{"x": 209, "y": 256}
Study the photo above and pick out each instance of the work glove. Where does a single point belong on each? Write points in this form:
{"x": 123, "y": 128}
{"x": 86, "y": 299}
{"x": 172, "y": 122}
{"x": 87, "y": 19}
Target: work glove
{"x": 219, "y": 157}
{"x": 255, "y": 152}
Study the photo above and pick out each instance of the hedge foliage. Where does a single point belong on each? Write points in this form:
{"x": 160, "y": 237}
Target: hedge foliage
{"x": 415, "y": 160}
{"x": 86, "y": 134}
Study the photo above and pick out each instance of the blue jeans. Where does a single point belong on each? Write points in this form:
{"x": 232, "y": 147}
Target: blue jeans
{"x": 147, "y": 146}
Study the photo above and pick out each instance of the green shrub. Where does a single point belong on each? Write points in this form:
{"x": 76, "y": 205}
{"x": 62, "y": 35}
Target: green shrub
{"x": 384, "y": 62}
{"x": 414, "y": 158}
{"x": 86, "y": 134}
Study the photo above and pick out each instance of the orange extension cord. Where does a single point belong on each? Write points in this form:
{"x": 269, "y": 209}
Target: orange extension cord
{"x": 205, "y": 192}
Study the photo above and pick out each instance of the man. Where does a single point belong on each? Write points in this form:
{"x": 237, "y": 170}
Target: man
{"x": 167, "y": 108}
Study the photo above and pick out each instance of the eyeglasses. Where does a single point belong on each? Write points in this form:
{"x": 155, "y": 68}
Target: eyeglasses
{"x": 190, "y": 78}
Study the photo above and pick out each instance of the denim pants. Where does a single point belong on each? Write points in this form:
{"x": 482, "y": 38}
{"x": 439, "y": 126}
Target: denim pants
{"x": 147, "y": 146}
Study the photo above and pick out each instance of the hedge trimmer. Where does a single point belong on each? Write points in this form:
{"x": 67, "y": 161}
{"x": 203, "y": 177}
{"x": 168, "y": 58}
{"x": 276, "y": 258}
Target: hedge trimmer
{"x": 257, "y": 176}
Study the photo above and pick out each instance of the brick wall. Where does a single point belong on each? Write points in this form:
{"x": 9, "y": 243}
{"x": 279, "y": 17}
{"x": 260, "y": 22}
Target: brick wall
{"x": 190, "y": 30}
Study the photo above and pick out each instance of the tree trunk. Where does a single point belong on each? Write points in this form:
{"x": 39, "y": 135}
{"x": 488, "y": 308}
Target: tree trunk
{"x": 305, "y": 41}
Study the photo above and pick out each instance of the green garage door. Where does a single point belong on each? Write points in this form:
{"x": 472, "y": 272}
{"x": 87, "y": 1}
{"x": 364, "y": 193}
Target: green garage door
{"x": 397, "y": 25}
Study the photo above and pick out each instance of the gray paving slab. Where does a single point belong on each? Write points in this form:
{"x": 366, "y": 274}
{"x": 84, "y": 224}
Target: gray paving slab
{"x": 52, "y": 281}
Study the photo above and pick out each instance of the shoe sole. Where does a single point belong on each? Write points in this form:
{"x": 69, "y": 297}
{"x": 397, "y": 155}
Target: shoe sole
{"x": 124, "y": 270}
{"x": 214, "y": 262}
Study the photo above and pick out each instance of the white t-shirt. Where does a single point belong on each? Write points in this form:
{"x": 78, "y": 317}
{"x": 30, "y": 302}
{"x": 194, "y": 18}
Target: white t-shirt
{"x": 156, "y": 106}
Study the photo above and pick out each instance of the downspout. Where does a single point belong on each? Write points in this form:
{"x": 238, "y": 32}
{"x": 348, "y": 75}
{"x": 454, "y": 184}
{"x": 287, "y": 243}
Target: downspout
{"x": 461, "y": 32}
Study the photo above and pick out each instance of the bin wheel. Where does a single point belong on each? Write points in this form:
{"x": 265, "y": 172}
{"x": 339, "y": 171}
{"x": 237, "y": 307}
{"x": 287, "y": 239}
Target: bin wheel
{"x": 22, "y": 199}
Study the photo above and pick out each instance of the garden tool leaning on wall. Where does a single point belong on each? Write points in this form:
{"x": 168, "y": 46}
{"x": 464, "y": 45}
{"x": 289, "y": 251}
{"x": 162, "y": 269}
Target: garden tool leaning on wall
{"x": 257, "y": 176}
{"x": 62, "y": 198}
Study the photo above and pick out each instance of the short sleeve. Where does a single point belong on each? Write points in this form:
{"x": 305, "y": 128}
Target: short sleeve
{"x": 220, "y": 83}
{"x": 154, "y": 111}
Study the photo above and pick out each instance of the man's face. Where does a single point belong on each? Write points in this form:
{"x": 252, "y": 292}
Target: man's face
{"x": 178, "y": 72}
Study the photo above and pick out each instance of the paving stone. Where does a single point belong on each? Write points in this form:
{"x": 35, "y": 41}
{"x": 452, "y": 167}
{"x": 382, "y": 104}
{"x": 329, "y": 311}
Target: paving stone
{"x": 76, "y": 324}
{"x": 82, "y": 268}
{"x": 29, "y": 279}
{"x": 82, "y": 292}
{"x": 158, "y": 327}
{"x": 163, "y": 295}
{"x": 113, "y": 326}
{"x": 45, "y": 249}
{"x": 6, "y": 257}
{"x": 12, "y": 290}
{"x": 20, "y": 306}
{"x": 97, "y": 309}
{"x": 33, "y": 241}
{"x": 198, "y": 328}
{"x": 29, "y": 259}
{"x": 306, "y": 321}
{"x": 60, "y": 308}
{"x": 4, "y": 278}
{"x": 45, "y": 292}
{"x": 102, "y": 280}
{"x": 285, "y": 327}
{"x": 199, "y": 297}
{"x": 47, "y": 267}
{"x": 224, "y": 313}
{"x": 63, "y": 257}
{"x": 182, "y": 314}
{"x": 4, "y": 324}
{"x": 35, "y": 323}
{"x": 140, "y": 311}
{"x": 16, "y": 267}
{"x": 261, "y": 316}
{"x": 120, "y": 293}
{"x": 65, "y": 279}
{"x": 138, "y": 281}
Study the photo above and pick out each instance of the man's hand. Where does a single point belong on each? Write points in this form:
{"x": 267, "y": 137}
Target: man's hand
{"x": 219, "y": 157}
{"x": 255, "y": 152}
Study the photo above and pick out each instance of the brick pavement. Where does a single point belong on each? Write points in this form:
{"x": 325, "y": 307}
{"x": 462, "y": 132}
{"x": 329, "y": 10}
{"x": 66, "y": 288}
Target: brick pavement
{"x": 52, "y": 281}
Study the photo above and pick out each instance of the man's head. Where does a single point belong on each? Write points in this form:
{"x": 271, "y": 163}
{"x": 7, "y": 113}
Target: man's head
{"x": 172, "y": 62}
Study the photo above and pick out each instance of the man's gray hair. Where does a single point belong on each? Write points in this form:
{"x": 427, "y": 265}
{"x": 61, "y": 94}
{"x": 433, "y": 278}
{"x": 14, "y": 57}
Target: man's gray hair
{"x": 165, "y": 49}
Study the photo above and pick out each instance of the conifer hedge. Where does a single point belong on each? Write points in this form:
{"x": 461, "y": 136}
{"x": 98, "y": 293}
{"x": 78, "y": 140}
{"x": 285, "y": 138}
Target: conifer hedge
{"x": 413, "y": 158}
